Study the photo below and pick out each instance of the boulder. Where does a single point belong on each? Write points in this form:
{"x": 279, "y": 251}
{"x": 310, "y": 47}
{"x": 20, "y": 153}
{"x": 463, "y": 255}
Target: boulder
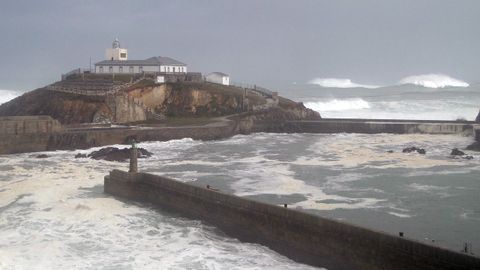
{"x": 474, "y": 146}
{"x": 42, "y": 156}
{"x": 456, "y": 152}
{"x": 116, "y": 154}
{"x": 414, "y": 149}
{"x": 80, "y": 155}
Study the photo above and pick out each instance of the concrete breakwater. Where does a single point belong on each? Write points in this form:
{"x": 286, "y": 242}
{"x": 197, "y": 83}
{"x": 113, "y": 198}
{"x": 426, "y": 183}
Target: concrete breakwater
{"x": 91, "y": 137}
{"x": 17, "y": 140}
{"x": 301, "y": 236}
{"x": 372, "y": 126}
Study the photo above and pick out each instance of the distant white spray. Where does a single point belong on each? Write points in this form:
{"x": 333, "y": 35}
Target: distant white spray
{"x": 433, "y": 81}
{"x": 339, "y": 83}
{"x": 7, "y": 95}
{"x": 338, "y": 105}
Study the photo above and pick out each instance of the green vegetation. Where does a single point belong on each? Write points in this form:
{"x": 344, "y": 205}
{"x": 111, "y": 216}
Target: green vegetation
{"x": 143, "y": 83}
{"x": 124, "y": 78}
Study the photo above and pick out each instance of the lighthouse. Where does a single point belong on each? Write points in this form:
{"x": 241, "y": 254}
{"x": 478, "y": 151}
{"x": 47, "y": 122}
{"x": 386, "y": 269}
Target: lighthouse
{"x": 116, "y": 53}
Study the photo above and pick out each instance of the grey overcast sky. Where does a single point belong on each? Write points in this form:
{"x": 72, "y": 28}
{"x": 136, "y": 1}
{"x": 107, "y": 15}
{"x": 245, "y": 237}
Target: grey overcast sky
{"x": 271, "y": 43}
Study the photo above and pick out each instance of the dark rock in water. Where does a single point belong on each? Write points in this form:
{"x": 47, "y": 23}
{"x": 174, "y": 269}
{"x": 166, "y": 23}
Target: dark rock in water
{"x": 390, "y": 151}
{"x": 474, "y": 146}
{"x": 80, "y": 155}
{"x": 421, "y": 151}
{"x": 116, "y": 154}
{"x": 42, "y": 156}
{"x": 468, "y": 157}
{"x": 456, "y": 152}
{"x": 414, "y": 149}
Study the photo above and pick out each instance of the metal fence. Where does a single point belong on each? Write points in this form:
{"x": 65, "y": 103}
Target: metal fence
{"x": 255, "y": 88}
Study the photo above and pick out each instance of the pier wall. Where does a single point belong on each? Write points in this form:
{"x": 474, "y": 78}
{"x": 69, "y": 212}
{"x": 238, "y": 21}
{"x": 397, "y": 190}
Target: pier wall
{"x": 18, "y": 125}
{"x": 91, "y": 138}
{"x": 370, "y": 126}
{"x": 301, "y": 236}
{"x": 43, "y": 134}
{"x": 26, "y": 133}
{"x": 86, "y": 138}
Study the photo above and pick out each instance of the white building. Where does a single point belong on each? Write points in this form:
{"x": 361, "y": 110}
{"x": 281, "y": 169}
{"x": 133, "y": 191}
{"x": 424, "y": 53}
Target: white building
{"x": 218, "y": 77}
{"x": 117, "y": 62}
{"x": 116, "y": 53}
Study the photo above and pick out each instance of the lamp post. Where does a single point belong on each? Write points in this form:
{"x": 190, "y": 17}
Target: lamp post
{"x": 133, "y": 158}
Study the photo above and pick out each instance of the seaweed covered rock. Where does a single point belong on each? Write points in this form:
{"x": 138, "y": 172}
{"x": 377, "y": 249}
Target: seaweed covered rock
{"x": 474, "y": 146}
{"x": 116, "y": 154}
{"x": 456, "y": 152}
{"x": 414, "y": 149}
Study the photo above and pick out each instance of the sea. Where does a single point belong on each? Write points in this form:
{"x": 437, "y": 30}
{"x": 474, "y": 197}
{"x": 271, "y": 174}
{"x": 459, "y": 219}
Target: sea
{"x": 54, "y": 214}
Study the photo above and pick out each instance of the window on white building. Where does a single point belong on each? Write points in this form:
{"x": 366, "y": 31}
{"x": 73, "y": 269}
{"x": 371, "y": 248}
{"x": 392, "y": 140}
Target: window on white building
{"x": 140, "y": 69}
{"x": 130, "y": 69}
{"x": 120, "y": 69}
{"x": 100, "y": 69}
{"x": 110, "y": 69}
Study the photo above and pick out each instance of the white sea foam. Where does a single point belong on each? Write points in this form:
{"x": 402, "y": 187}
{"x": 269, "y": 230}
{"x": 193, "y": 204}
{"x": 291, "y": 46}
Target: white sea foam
{"x": 338, "y": 105}
{"x": 433, "y": 81}
{"x": 399, "y": 215}
{"x": 7, "y": 95}
{"x": 57, "y": 217}
{"x": 54, "y": 214}
{"x": 339, "y": 83}
{"x": 443, "y": 109}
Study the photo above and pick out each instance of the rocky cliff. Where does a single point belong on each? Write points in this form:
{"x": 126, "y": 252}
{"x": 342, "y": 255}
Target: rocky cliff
{"x": 186, "y": 99}
{"x": 65, "y": 107}
{"x": 195, "y": 99}
{"x": 478, "y": 118}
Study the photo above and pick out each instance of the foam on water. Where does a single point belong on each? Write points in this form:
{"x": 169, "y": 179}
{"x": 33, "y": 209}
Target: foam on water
{"x": 339, "y": 83}
{"x": 338, "y": 105}
{"x": 53, "y": 213}
{"x": 433, "y": 81}
{"x": 439, "y": 109}
{"x": 7, "y": 95}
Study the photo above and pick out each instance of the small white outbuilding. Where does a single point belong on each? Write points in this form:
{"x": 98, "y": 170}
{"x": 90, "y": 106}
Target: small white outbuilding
{"x": 218, "y": 77}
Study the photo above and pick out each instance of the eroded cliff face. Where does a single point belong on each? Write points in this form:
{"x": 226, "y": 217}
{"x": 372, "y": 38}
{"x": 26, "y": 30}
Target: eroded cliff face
{"x": 478, "y": 117}
{"x": 192, "y": 99}
{"x": 66, "y": 108}
{"x": 171, "y": 99}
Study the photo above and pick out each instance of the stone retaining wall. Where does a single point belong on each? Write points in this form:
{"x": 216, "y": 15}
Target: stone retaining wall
{"x": 75, "y": 139}
{"x": 18, "y": 125}
{"x": 380, "y": 126}
{"x": 301, "y": 236}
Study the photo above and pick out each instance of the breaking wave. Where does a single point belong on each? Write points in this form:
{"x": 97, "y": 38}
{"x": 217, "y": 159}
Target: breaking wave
{"x": 7, "y": 95}
{"x": 433, "y": 81}
{"x": 338, "y": 105}
{"x": 339, "y": 83}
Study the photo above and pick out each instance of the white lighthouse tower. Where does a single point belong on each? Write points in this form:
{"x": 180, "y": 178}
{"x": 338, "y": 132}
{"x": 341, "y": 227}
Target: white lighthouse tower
{"x": 116, "y": 53}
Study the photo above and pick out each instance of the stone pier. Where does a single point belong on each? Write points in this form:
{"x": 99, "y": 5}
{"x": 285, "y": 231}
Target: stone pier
{"x": 298, "y": 235}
